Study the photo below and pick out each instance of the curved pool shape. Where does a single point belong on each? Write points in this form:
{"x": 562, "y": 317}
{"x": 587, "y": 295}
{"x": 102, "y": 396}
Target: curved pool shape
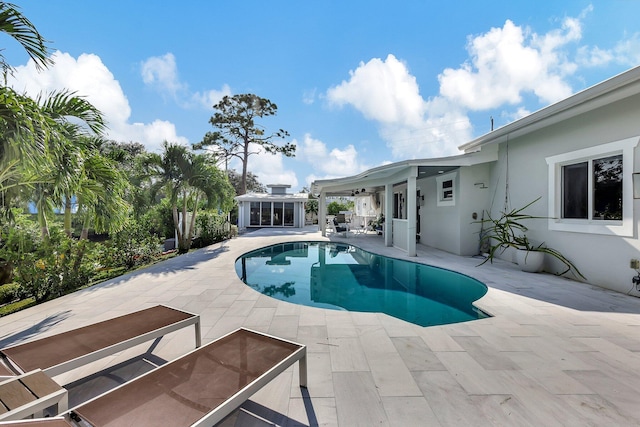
{"x": 344, "y": 277}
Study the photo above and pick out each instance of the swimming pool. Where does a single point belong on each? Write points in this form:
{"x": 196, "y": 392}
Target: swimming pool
{"x": 340, "y": 276}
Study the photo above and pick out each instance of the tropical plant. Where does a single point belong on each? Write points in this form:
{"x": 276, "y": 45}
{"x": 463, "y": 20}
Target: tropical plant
{"x": 239, "y": 135}
{"x": 14, "y": 24}
{"x": 53, "y": 267}
{"x": 132, "y": 246}
{"x": 508, "y": 231}
{"x": 211, "y": 227}
{"x": 72, "y": 153}
{"x": 187, "y": 179}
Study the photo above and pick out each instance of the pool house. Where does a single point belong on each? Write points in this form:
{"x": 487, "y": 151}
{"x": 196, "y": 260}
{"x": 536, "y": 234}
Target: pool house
{"x": 275, "y": 209}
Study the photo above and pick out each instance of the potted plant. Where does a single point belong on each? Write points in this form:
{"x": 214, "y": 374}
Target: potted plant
{"x": 378, "y": 224}
{"x": 508, "y": 231}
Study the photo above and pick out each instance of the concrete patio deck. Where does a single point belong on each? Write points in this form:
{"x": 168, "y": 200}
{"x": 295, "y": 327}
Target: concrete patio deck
{"x": 555, "y": 353}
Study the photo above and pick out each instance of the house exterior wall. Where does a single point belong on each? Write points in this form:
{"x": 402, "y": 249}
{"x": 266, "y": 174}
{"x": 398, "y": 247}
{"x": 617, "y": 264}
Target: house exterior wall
{"x": 474, "y": 198}
{"x": 602, "y": 259}
{"x": 452, "y": 228}
{"x": 439, "y": 225}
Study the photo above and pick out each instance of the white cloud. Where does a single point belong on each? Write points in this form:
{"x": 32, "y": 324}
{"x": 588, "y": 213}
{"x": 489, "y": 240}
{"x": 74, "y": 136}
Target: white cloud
{"x": 309, "y": 96}
{"x": 211, "y": 97}
{"x": 627, "y": 51}
{"x": 161, "y": 73}
{"x": 333, "y": 163}
{"x": 383, "y": 91}
{"x": 90, "y": 78}
{"x": 593, "y": 56}
{"x": 386, "y": 92}
{"x": 509, "y": 61}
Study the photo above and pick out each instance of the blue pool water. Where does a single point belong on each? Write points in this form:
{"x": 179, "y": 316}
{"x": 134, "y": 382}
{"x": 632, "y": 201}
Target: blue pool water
{"x": 344, "y": 277}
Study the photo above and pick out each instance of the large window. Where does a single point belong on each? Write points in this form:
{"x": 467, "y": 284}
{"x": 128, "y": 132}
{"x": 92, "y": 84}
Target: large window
{"x": 277, "y": 213}
{"x": 268, "y": 214}
{"x": 604, "y": 177}
{"x": 590, "y": 190}
{"x": 254, "y": 215}
{"x": 288, "y": 214}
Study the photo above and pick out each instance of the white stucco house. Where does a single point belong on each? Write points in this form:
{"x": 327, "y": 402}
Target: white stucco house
{"x": 579, "y": 156}
{"x": 275, "y": 209}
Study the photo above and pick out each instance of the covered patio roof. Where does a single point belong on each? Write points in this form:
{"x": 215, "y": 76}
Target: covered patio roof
{"x": 375, "y": 179}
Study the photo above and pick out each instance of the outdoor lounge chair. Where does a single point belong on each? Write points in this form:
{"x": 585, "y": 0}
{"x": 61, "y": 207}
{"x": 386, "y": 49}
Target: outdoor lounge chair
{"x": 198, "y": 389}
{"x": 66, "y": 351}
{"x": 29, "y": 395}
{"x": 40, "y": 422}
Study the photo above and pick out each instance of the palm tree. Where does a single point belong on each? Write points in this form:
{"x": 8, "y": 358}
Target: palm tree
{"x": 100, "y": 194}
{"x": 73, "y": 122}
{"x": 23, "y": 127}
{"x": 188, "y": 179}
{"x": 17, "y": 26}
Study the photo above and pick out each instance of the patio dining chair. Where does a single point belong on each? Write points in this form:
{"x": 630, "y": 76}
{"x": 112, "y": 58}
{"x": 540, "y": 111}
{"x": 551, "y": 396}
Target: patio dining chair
{"x": 63, "y": 352}
{"x": 338, "y": 227}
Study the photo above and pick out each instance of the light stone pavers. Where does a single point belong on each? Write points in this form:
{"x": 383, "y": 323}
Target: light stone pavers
{"x": 555, "y": 352}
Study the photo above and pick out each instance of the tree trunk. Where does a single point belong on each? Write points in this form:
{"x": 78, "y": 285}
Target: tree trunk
{"x": 245, "y": 161}
{"x": 44, "y": 226}
{"x": 67, "y": 216}
{"x": 84, "y": 235}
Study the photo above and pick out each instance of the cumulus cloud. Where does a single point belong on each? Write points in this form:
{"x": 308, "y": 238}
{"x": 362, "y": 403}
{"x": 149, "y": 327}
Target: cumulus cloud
{"x": 506, "y": 65}
{"x": 383, "y": 90}
{"x": 335, "y": 162}
{"x": 509, "y": 61}
{"x": 161, "y": 73}
{"x": 89, "y": 77}
{"x": 386, "y": 92}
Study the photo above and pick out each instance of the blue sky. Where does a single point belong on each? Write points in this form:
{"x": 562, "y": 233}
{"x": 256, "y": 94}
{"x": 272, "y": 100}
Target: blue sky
{"x": 358, "y": 84}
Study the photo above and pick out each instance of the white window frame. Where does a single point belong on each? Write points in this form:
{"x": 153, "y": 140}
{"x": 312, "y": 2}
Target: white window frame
{"x": 622, "y": 227}
{"x": 441, "y": 201}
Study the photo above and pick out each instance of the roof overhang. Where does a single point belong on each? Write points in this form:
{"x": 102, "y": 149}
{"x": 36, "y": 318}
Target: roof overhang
{"x": 614, "y": 89}
{"x": 375, "y": 179}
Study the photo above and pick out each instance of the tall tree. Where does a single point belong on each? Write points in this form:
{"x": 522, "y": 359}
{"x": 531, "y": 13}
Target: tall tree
{"x": 252, "y": 182}
{"x": 74, "y": 122}
{"x": 188, "y": 178}
{"x": 23, "y": 127}
{"x": 238, "y": 135}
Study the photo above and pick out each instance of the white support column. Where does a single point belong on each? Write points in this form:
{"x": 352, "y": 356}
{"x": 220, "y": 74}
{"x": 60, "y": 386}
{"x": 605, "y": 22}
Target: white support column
{"x": 412, "y": 211}
{"x": 388, "y": 215}
{"x": 322, "y": 214}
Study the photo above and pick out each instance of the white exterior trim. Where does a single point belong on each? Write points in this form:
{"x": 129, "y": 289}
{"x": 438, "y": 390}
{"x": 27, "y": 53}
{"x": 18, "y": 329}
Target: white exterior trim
{"x": 615, "y": 228}
{"x": 453, "y": 177}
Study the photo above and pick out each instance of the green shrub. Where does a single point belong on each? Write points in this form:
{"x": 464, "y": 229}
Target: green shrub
{"x": 55, "y": 267}
{"x": 132, "y": 246}
{"x": 17, "y": 306}
{"x": 334, "y": 207}
{"x": 9, "y": 292}
{"x": 211, "y": 227}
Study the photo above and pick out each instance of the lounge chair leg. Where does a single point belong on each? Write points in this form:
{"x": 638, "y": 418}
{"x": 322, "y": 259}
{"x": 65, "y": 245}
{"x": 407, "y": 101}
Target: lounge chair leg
{"x": 302, "y": 366}
{"x": 198, "y": 334}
